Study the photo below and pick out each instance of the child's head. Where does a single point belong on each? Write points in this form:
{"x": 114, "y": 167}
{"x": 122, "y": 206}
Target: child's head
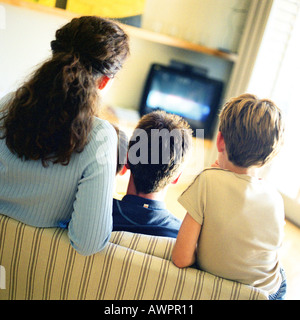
{"x": 252, "y": 129}
{"x": 161, "y": 141}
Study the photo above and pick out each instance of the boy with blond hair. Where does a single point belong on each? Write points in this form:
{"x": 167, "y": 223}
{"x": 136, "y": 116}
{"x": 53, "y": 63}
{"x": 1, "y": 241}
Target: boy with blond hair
{"x": 234, "y": 222}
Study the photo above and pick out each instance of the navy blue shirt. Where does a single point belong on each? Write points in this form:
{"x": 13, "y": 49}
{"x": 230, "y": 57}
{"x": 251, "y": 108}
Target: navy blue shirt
{"x": 141, "y": 215}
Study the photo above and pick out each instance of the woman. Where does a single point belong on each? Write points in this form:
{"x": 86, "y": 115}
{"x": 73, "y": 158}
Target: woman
{"x": 57, "y": 160}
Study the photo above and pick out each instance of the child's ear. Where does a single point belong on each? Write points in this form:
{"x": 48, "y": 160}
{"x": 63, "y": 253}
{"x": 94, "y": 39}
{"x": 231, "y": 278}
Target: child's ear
{"x": 127, "y": 164}
{"x": 220, "y": 142}
{"x": 102, "y": 82}
{"x": 125, "y": 167}
{"x": 176, "y": 180}
{"x": 123, "y": 171}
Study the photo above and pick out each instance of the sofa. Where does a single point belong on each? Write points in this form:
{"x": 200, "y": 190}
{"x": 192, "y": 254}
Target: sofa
{"x": 40, "y": 264}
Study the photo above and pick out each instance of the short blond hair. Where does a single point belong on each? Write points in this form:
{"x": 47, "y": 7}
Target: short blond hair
{"x": 252, "y": 129}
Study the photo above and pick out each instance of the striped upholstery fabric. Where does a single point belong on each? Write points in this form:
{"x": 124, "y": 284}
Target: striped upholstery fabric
{"x": 41, "y": 264}
{"x": 155, "y": 246}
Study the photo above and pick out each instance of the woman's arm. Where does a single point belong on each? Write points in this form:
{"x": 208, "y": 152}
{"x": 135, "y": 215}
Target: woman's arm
{"x": 91, "y": 222}
{"x": 184, "y": 252}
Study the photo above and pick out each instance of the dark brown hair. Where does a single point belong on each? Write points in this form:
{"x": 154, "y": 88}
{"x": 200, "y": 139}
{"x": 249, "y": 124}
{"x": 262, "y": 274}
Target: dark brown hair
{"x": 252, "y": 129}
{"x": 51, "y": 115}
{"x": 153, "y": 176}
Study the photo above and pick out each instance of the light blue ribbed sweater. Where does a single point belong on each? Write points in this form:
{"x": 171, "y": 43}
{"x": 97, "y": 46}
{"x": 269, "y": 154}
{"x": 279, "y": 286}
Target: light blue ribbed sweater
{"x": 81, "y": 191}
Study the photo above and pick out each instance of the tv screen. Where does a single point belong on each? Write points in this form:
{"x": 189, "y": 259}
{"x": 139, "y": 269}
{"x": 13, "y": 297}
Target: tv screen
{"x": 191, "y": 95}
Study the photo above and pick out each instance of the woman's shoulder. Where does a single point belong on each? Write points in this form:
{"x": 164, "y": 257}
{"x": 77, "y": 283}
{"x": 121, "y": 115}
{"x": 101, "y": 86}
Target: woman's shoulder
{"x": 4, "y": 100}
{"x": 102, "y": 142}
{"x": 102, "y": 128}
{"x": 101, "y": 124}
{"x": 102, "y": 133}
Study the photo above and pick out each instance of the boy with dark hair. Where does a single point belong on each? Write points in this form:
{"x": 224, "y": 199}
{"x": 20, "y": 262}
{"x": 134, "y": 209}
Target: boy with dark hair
{"x": 157, "y": 150}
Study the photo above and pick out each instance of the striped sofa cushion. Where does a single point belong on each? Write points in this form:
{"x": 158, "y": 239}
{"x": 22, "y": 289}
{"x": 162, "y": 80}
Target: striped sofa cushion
{"x": 153, "y": 245}
{"x": 41, "y": 264}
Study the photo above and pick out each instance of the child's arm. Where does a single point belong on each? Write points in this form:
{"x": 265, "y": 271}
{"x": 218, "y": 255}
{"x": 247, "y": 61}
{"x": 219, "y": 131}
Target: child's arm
{"x": 184, "y": 252}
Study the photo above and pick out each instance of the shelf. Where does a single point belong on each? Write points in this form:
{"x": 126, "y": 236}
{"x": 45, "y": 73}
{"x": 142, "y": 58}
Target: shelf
{"x": 133, "y": 31}
{"x": 178, "y": 43}
{"x": 41, "y": 8}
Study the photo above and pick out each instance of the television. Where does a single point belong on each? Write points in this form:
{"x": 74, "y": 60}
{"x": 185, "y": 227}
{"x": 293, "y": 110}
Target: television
{"x": 183, "y": 90}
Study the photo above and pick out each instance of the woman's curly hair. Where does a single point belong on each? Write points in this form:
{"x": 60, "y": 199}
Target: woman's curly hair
{"x": 51, "y": 115}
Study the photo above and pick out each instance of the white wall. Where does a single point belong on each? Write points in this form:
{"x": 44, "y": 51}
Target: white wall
{"x": 212, "y": 23}
{"x": 276, "y": 76}
{"x": 25, "y": 37}
{"x": 127, "y": 90}
{"x": 25, "y": 42}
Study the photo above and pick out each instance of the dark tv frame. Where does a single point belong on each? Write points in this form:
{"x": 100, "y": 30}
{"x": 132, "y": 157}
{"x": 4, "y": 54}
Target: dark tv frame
{"x": 208, "y": 125}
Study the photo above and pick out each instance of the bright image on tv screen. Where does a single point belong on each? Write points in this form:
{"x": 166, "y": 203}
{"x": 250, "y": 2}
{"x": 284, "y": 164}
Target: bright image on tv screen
{"x": 181, "y": 95}
{"x": 179, "y": 105}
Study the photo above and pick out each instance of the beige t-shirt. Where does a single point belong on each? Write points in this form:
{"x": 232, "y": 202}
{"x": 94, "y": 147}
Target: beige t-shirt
{"x": 242, "y": 222}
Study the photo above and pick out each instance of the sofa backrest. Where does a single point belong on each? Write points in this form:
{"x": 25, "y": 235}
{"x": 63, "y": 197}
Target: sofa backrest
{"x": 40, "y": 263}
